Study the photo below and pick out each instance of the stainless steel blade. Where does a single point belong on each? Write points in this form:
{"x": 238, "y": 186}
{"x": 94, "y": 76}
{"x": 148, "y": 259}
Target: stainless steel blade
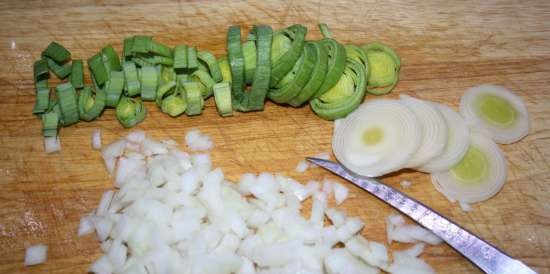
{"x": 484, "y": 255}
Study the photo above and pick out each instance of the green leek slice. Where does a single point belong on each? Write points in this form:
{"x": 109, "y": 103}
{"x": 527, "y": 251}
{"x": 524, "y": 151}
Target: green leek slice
{"x": 110, "y": 58}
{"x": 98, "y": 70}
{"x": 61, "y": 71}
{"x": 160, "y": 49}
{"x": 163, "y": 91}
{"x": 130, "y": 111}
{"x": 131, "y": 82}
{"x": 317, "y": 76}
{"x": 149, "y": 81}
{"x": 42, "y": 100}
{"x": 114, "y": 87}
{"x": 180, "y": 59}
{"x": 210, "y": 62}
{"x": 222, "y": 97}
{"x": 249, "y": 54}
{"x": 57, "y": 53}
{"x": 192, "y": 61}
{"x": 41, "y": 70}
{"x": 282, "y": 65}
{"x": 206, "y": 82}
{"x": 141, "y": 44}
{"x": 358, "y": 54}
{"x": 225, "y": 69}
{"x": 384, "y": 66}
{"x": 66, "y": 95}
{"x": 174, "y": 104}
{"x": 336, "y": 64}
{"x": 127, "y": 47}
{"x": 193, "y": 97}
{"x": 345, "y": 96}
{"x": 91, "y": 105}
{"x": 299, "y": 77}
{"x": 77, "y": 74}
{"x": 50, "y": 124}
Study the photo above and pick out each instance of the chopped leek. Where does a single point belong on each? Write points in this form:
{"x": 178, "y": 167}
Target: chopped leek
{"x": 50, "y": 124}
{"x": 222, "y": 96}
{"x": 130, "y": 111}
{"x": 209, "y": 61}
{"x": 57, "y": 52}
{"x": 149, "y": 81}
{"x": 91, "y": 105}
{"x": 97, "y": 68}
{"x": 180, "y": 59}
{"x": 41, "y": 71}
{"x": 193, "y": 97}
{"x": 68, "y": 106}
{"x": 61, "y": 71}
{"x": 77, "y": 74}
{"x": 114, "y": 87}
{"x": 42, "y": 100}
{"x": 175, "y": 104}
{"x": 131, "y": 82}
{"x": 384, "y": 64}
{"x": 206, "y": 82}
{"x": 110, "y": 59}
{"x": 282, "y": 65}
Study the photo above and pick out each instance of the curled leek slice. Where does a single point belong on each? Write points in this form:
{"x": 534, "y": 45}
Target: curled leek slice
{"x": 163, "y": 91}
{"x": 77, "y": 74}
{"x": 316, "y": 78}
{"x": 249, "y": 54}
{"x": 130, "y": 111}
{"x": 50, "y": 124}
{"x": 193, "y": 98}
{"x": 174, "y": 104}
{"x": 498, "y": 110}
{"x": 222, "y": 96}
{"x": 345, "y": 96}
{"x": 225, "y": 70}
{"x": 114, "y": 87}
{"x": 90, "y": 105}
{"x": 131, "y": 82}
{"x": 205, "y": 82}
{"x": 255, "y": 98}
{"x": 208, "y": 60}
{"x": 42, "y": 100}
{"x": 336, "y": 61}
{"x": 478, "y": 176}
{"x": 384, "y": 64}
{"x": 286, "y": 54}
{"x": 358, "y": 54}
{"x": 293, "y": 83}
{"x": 66, "y": 95}
{"x": 149, "y": 81}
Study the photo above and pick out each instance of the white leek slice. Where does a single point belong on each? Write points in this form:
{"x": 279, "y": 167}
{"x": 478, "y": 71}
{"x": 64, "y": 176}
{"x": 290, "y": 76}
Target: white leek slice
{"x": 379, "y": 137}
{"x": 478, "y": 176}
{"x": 457, "y": 144}
{"x": 434, "y": 129}
{"x": 498, "y": 110}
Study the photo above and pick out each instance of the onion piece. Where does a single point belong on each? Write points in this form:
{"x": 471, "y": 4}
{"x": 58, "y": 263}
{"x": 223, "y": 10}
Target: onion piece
{"x": 434, "y": 130}
{"x": 397, "y": 230}
{"x": 197, "y": 141}
{"x": 340, "y": 192}
{"x": 373, "y": 253}
{"x": 96, "y": 139}
{"x": 498, "y": 110}
{"x": 52, "y": 144}
{"x": 457, "y": 144}
{"x": 302, "y": 166}
{"x": 374, "y": 147}
{"x": 36, "y": 254}
{"x": 478, "y": 176}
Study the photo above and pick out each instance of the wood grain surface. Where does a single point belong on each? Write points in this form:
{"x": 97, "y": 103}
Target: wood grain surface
{"x": 446, "y": 47}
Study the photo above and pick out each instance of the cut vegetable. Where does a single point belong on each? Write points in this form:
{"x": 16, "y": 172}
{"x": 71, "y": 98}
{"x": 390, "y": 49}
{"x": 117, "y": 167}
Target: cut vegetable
{"x": 384, "y": 66}
{"x": 457, "y": 143}
{"x": 50, "y": 124}
{"x": 114, "y": 87}
{"x": 497, "y": 109}
{"x": 99, "y": 73}
{"x": 149, "y": 81}
{"x": 131, "y": 82}
{"x": 316, "y": 77}
{"x": 42, "y": 100}
{"x": 110, "y": 59}
{"x": 374, "y": 147}
{"x": 209, "y": 61}
{"x": 287, "y": 48}
{"x": 91, "y": 105}
{"x": 434, "y": 130}
{"x": 478, "y": 176}
{"x": 130, "y": 112}
{"x": 193, "y": 97}
{"x": 52, "y": 144}
{"x": 222, "y": 96}
{"x": 36, "y": 254}
{"x": 336, "y": 64}
{"x": 345, "y": 96}
{"x": 60, "y": 70}
{"x": 68, "y": 105}
{"x": 57, "y": 52}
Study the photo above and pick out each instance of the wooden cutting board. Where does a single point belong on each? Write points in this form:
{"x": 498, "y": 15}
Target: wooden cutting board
{"x": 446, "y": 47}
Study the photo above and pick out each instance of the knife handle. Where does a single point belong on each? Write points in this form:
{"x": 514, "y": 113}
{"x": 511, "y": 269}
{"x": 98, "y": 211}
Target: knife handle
{"x": 484, "y": 255}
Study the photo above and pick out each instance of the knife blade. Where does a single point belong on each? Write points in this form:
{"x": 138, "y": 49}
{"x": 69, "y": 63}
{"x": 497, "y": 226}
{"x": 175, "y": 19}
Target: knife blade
{"x": 487, "y": 257}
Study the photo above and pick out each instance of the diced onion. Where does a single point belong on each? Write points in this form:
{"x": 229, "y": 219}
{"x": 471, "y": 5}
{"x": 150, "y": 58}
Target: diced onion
{"x": 51, "y": 144}
{"x": 35, "y": 254}
{"x": 96, "y": 139}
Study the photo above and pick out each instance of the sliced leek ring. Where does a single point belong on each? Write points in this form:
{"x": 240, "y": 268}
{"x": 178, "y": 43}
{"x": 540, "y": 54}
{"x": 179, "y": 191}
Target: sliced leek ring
{"x": 497, "y": 110}
{"x": 457, "y": 143}
{"x": 379, "y": 137}
{"x": 478, "y": 176}
{"x": 434, "y": 130}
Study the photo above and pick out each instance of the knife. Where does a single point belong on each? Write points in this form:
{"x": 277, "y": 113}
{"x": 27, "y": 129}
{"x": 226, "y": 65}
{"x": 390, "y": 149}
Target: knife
{"x": 482, "y": 254}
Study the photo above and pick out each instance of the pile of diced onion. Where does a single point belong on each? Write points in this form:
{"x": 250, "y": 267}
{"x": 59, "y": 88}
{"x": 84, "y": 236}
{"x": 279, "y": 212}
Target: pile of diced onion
{"x": 174, "y": 213}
